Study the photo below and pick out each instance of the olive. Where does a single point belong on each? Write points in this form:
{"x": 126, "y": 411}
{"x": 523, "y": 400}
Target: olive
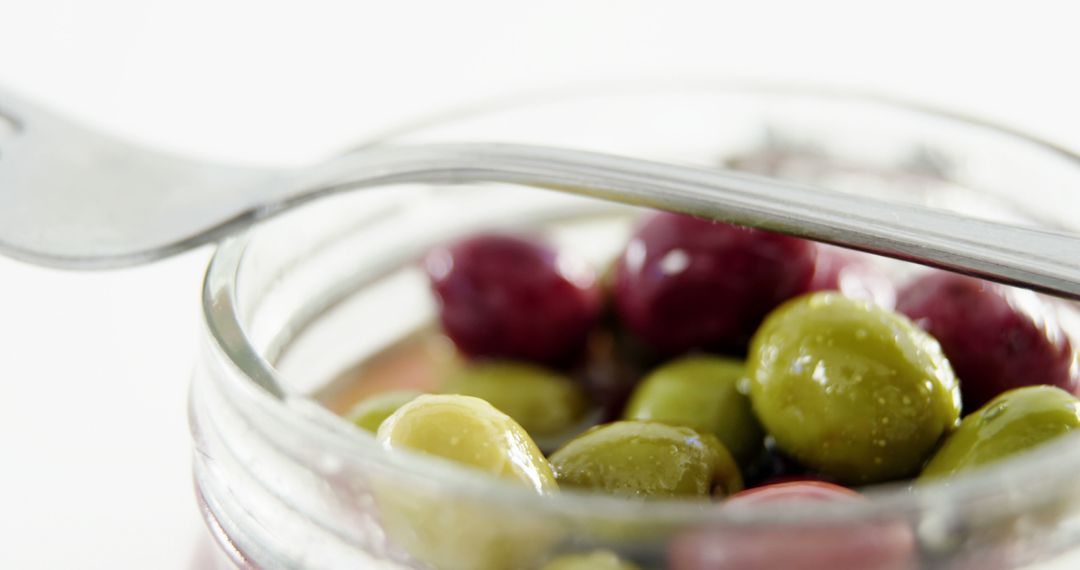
{"x": 504, "y": 296}
{"x": 370, "y": 412}
{"x": 1016, "y": 421}
{"x": 791, "y": 491}
{"x": 471, "y": 432}
{"x": 596, "y": 560}
{"x": 996, "y": 337}
{"x": 852, "y": 273}
{"x": 877, "y": 544}
{"x": 851, "y": 389}
{"x": 647, "y": 460}
{"x": 685, "y": 282}
{"x": 701, "y": 392}
{"x": 540, "y": 400}
{"x": 464, "y": 532}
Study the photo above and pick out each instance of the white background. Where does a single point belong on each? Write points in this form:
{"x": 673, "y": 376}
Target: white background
{"x": 94, "y": 468}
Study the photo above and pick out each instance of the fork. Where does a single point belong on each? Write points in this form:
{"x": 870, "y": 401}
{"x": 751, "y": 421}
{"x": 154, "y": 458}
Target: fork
{"x": 74, "y": 198}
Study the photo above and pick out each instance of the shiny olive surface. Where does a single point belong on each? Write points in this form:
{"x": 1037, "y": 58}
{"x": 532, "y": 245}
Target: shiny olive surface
{"x": 1016, "y": 421}
{"x": 701, "y": 392}
{"x": 684, "y": 282}
{"x": 997, "y": 338}
{"x": 471, "y": 432}
{"x": 597, "y": 560}
{"x": 506, "y": 296}
{"x": 370, "y": 412}
{"x": 647, "y": 460}
{"x": 851, "y": 389}
{"x": 540, "y": 400}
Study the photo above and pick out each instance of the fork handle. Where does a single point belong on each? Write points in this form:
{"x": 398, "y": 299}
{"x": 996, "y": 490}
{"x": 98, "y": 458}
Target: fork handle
{"x": 1042, "y": 260}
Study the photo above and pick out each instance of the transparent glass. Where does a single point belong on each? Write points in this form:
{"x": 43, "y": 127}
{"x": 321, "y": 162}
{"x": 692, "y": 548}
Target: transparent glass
{"x": 308, "y": 299}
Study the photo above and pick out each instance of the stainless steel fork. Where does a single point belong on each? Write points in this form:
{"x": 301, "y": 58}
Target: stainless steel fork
{"x": 72, "y": 197}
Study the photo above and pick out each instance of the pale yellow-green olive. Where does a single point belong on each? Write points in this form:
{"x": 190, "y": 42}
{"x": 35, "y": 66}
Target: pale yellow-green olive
{"x": 471, "y": 432}
{"x": 454, "y": 532}
{"x": 701, "y": 392}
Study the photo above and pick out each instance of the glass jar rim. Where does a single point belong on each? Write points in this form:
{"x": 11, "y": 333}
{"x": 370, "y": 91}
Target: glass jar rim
{"x": 1034, "y": 476}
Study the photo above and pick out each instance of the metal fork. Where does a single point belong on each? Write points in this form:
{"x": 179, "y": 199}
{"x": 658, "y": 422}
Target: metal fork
{"x": 74, "y": 198}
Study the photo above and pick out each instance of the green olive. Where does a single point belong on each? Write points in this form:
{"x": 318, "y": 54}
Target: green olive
{"x": 596, "y": 560}
{"x": 370, "y": 412}
{"x": 851, "y": 389}
{"x": 647, "y": 459}
{"x": 464, "y": 532}
{"x": 540, "y": 400}
{"x": 1015, "y": 421}
{"x": 701, "y": 392}
{"x": 469, "y": 431}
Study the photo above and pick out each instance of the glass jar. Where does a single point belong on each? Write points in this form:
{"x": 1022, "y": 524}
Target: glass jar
{"x": 296, "y": 306}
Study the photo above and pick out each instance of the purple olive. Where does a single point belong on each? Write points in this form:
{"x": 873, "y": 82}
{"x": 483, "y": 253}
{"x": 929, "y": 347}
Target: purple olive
{"x": 504, "y": 296}
{"x": 686, "y": 283}
{"x": 996, "y": 337}
{"x": 852, "y": 273}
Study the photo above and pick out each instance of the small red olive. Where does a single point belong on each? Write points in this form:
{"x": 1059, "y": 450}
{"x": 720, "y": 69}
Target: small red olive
{"x": 684, "y": 282}
{"x": 877, "y": 545}
{"x": 805, "y": 490}
{"x": 505, "y": 296}
{"x": 997, "y": 338}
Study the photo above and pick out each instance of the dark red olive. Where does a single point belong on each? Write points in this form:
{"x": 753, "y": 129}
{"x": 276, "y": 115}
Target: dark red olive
{"x": 505, "y": 296}
{"x": 852, "y": 273}
{"x": 685, "y": 283}
{"x": 996, "y": 337}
